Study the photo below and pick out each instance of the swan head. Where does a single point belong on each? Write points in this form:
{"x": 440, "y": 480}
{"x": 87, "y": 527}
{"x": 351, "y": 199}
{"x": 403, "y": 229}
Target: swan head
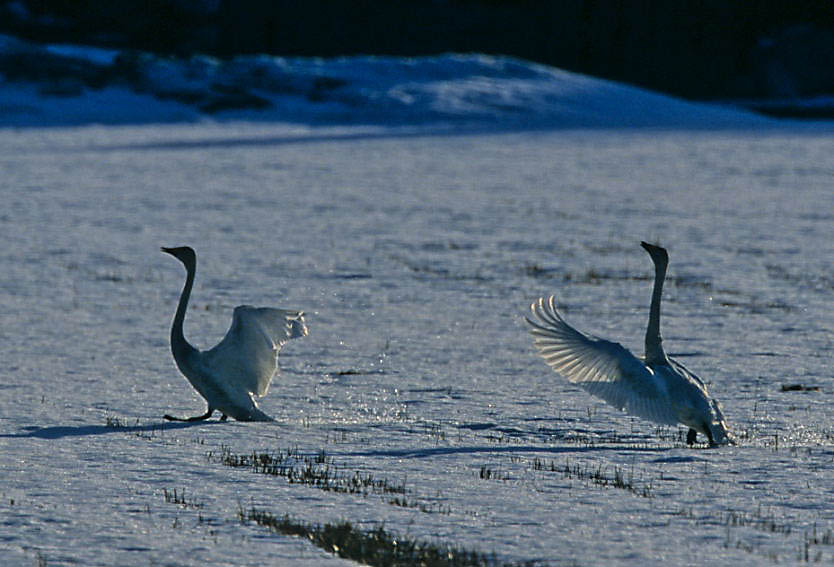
{"x": 658, "y": 253}
{"x": 714, "y": 427}
{"x": 184, "y": 254}
{"x": 718, "y": 427}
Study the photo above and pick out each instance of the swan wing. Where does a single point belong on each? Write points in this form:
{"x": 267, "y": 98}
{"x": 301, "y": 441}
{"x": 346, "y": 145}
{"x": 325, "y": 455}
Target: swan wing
{"x": 247, "y": 354}
{"x": 605, "y": 369}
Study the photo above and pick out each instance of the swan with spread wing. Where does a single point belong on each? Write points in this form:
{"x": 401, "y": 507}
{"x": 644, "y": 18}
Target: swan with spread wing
{"x": 241, "y": 366}
{"x": 656, "y": 388}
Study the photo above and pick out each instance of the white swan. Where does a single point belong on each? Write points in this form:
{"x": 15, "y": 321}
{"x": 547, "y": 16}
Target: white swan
{"x": 656, "y": 388}
{"x": 242, "y": 364}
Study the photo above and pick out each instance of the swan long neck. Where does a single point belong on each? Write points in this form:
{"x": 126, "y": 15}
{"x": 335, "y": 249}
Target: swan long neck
{"x": 179, "y": 346}
{"x": 654, "y": 346}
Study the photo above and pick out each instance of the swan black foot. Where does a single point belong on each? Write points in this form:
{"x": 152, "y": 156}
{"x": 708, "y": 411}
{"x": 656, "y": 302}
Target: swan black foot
{"x": 195, "y": 418}
{"x": 692, "y": 434}
{"x": 224, "y": 417}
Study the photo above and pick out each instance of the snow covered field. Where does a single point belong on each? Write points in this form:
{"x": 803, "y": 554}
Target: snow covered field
{"x": 415, "y": 252}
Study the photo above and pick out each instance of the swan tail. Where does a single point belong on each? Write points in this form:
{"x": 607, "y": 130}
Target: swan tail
{"x": 258, "y": 415}
{"x": 249, "y": 414}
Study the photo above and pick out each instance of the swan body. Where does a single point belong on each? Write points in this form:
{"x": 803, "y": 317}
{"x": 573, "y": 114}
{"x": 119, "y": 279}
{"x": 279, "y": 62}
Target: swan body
{"x": 656, "y": 388}
{"x": 241, "y": 366}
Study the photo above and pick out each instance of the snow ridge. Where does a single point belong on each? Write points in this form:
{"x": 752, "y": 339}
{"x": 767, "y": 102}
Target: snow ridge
{"x": 60, "y": 84}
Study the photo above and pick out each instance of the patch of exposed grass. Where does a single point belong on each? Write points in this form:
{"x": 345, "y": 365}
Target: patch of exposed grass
{"x": 502, "y": 438}
{"x": 440, "y": 272}
{"x": 597, "y": 439}
{"x": 435, "y": 431}
{"x": 598, "y": 476}
{"x": 488, "y": 473}
{"x": 815, "y": 539}
{"x": 118, "y": 423}
{"x": 760, "y": 521}
{"x": 799, "y": 388}
{"x": 319, "y": 471}
{"x": 757, "y": 521}
{"x": 376, "y": 547}
{"x": 355, "y": 372}
{"x": 148, "y": 431}
{"x": 818, "y": 282}
{"x": 756, "y": 306}
{"x": 416, "y": 504}
{"x": 175, "y": 497}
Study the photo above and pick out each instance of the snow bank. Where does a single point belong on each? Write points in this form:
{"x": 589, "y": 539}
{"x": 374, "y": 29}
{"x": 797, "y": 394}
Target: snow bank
{"x": 50, "y": 85}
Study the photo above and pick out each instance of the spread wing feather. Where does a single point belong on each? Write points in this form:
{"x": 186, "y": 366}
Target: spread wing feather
{"x": 605, "y": 369}
{"x": 247, "y": 354}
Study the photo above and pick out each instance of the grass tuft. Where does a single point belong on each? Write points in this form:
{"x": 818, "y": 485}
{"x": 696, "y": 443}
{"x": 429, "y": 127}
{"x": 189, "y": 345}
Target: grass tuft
{"x": 174, "y": 497}
{"x": 319, "y": 471}
{"x": 486, "y": 473}
{"x": 116, "y": 423}
{"x": 757, "y": 521}
{"x": 597, "y": 476}
{"x": 376, "y": 547}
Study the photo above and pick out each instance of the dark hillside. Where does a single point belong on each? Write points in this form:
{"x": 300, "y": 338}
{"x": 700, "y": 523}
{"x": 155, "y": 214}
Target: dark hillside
{"x": 701, "y": 49}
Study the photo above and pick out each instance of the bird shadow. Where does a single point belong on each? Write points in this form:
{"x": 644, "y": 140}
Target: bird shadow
{"x": 61, "y": 431}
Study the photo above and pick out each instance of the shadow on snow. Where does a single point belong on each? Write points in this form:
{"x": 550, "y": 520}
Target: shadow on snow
{"x": 61, "y": 431}
{"x": 471, "y": 449}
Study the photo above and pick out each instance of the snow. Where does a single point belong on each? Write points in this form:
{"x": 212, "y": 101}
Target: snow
{"x": 97, "y": 55}
{"x": 459, "y": 90}
{"x": 415, "y": 249}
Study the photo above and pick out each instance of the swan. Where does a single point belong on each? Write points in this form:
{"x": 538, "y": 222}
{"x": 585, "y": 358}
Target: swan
{"x": 656, "y": 388}
{"x": 241, "y": 366}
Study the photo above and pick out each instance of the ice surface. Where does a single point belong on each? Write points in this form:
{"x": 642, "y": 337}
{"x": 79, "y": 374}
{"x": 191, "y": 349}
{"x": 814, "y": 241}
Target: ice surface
{"x": 415, "y": 254}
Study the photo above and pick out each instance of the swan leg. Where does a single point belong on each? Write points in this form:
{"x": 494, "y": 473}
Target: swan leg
{"x": 690, "y": 436}
{"x": 195, "y": 418}
{"x": 224, "y": 417}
